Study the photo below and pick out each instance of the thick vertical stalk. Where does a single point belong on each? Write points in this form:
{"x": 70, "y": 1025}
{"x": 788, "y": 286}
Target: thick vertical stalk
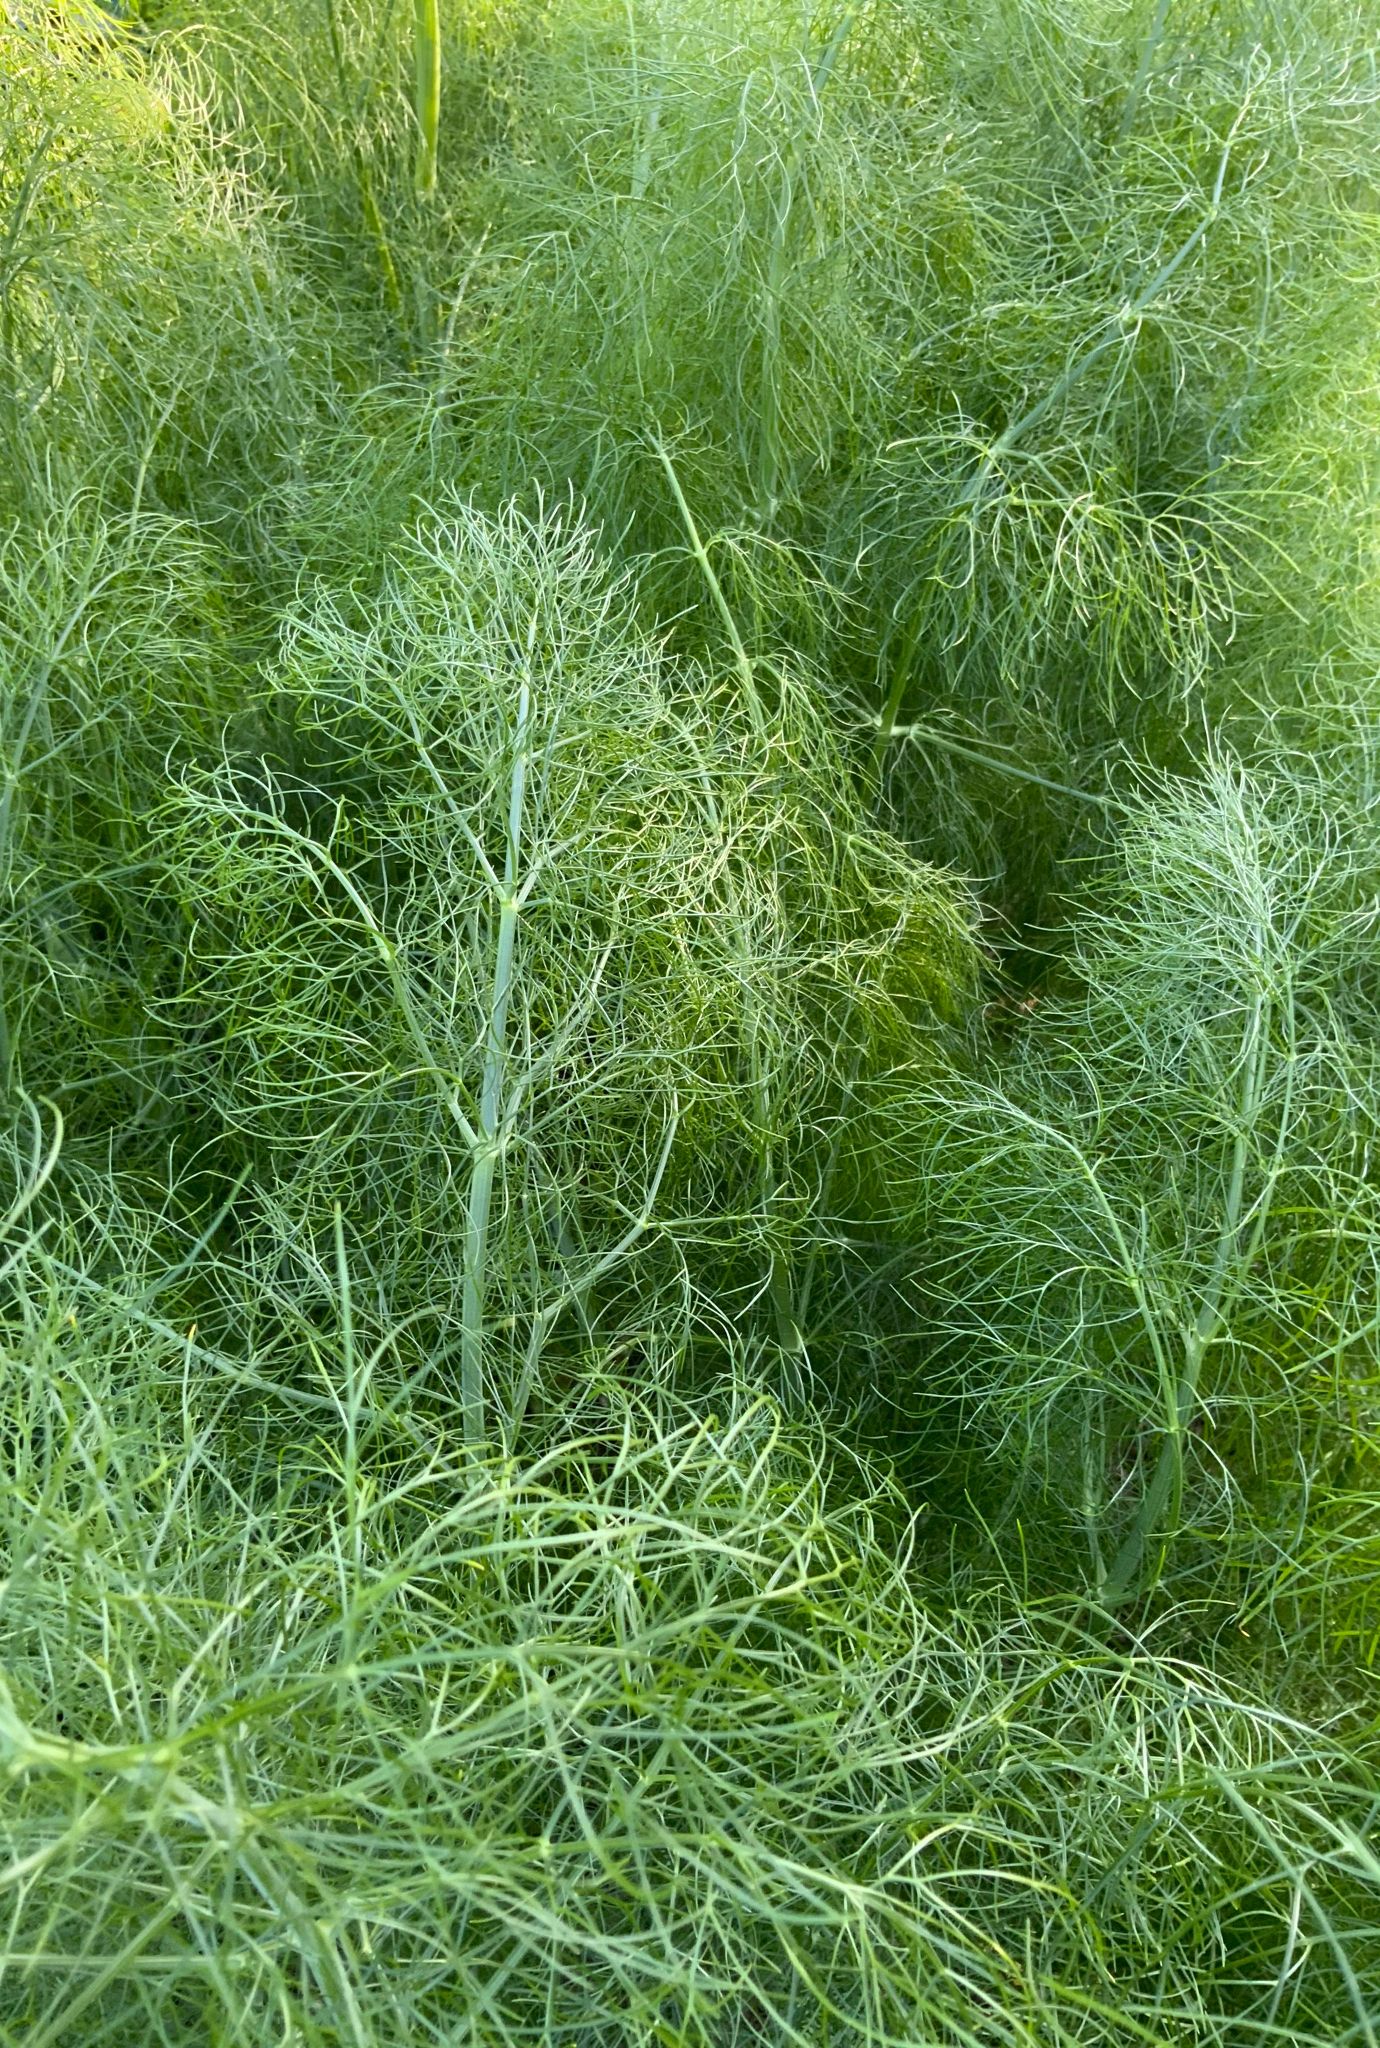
{"x": 428, "y": 101}
{"x": 488, "y": 1144}
{"x": 1158, "y": 1514}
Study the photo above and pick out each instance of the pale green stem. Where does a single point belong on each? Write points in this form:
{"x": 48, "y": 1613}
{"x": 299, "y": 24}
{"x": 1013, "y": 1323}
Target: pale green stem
{"x": 428, "y": 108}
{"x": 697, "y": 548}
{"x": 891, "y": 707}
{"x": 1160, "y": 1505}
{"x": 1124, "y": 324}
{"x": 40, "y": 1173}
{"x": 350, "y": 1462}
{"x": 1138, "y": 83}
{"x": 488, "y": 1141}
{"x": 769, "y": 406}
{"x": 219, "y": 1363}
{"x": 927, "y": 736}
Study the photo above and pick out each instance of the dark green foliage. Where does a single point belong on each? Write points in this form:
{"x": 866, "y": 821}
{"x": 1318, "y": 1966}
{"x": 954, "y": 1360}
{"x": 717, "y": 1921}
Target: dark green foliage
{"x": 1149, "y": 1231}
{"x": 996, "y": 350}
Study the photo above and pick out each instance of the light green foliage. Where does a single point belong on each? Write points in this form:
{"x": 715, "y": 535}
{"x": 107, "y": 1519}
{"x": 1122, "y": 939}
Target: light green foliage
{"x": 535, "y": 937}
{"x": 688, "y": 1034}
{"x": 315, "y": 1727}
{"x": 969, "y": 333}
{"x": 151, "y": 336}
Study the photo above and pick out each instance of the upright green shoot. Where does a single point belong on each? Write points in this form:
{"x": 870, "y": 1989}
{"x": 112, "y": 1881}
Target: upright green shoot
{"x": 427, "y": 32}
{"x": 494, "y": 1113}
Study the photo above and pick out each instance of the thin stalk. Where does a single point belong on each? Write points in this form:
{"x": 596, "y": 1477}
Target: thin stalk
{"x": 350, "y": 1407}
{"x": 447, "y": 339}
{"x": 888, "y": 730}
{"x": 30, "y": 187}
{"x": 219, "y": 1363}
{"x": 751, "y": 696}
{"x": 1359, "y": 1994}
{"x": 544, "y": 1322}
{"x": 891, "y": 706}
{"x": 1124, "y": 325}
{"x": 428, "y": 101}
{"x": 369, "y": 206}
{"x": 40, "y": 1173}
{"x": 647, "y": 123}
{"x": 1163, "y": 1497}
{"x": 769, "y": 408}
{"x": 382, "y": 246}
{"x": 317, "y": 856}
{"x": 929, "y": 737}
{"x": 1138, "y": 83}
{"x": 488, "y": 1144}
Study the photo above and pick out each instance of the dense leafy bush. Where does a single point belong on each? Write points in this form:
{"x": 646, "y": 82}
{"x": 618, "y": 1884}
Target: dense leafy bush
{"x": 1150, "y": 1230}
{"x": 689, "y": 860}
{"x": 535, "y": 939}
{"x": 998, "y": 350}
{"x": 316, "y": 1725}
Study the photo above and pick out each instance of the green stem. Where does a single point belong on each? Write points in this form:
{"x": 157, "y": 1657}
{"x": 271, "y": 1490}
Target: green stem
{"x": 383, "y": 248}
{"x": 1161, "y": 1503}
{"x": 369, "y": 205}
{"x": 751, "y": 696}
{"x": 929, "y": 737}
{"x": 315, "y": 857}
{"x": 1138, "y": 83}
{"x": 350, "y": 1462}
{"x": 895, "y": 696}
{"x": 428, "y": 103}
{"x": 544, "y": 1322}
{"x": 1122, "y": 324}
{"x": 488, "y": 1141}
